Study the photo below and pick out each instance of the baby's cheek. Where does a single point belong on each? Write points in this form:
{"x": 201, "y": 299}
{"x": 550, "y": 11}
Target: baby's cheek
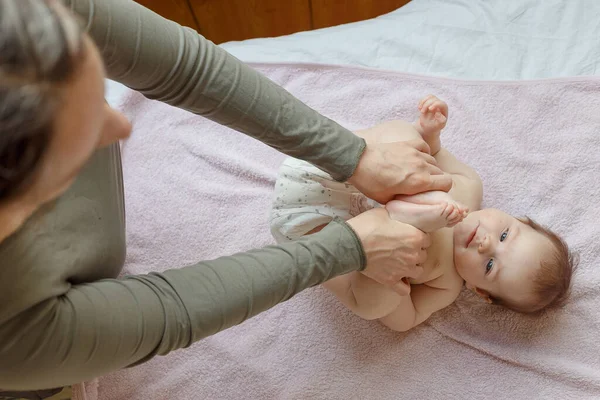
{"x": 465, "y": 265}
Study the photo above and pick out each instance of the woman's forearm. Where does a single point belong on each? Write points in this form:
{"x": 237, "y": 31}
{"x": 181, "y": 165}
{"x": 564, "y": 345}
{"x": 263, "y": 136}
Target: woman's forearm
{"x": 96, "y": 328}
{"x": 167, "y": 62}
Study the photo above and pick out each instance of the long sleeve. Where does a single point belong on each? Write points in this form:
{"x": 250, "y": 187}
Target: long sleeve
{"x": 64, "y": 317}
{"x": 84, "y": 331}
{"x": 167, "y": 62}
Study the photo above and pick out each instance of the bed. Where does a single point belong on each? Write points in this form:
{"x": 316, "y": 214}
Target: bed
{"x": 502, "y": 40}
{"x": 491, "y": 40}
{"x": 514, "y": 39}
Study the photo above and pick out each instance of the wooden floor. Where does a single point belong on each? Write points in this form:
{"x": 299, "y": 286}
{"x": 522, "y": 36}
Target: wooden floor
{"x": 226, "y": 20}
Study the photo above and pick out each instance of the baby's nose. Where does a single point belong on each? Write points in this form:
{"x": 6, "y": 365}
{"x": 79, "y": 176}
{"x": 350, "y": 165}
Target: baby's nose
{"x": 484, "y": 244}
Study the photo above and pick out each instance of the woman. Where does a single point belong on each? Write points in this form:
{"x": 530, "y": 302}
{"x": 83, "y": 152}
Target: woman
{"x": 64, "y": 317}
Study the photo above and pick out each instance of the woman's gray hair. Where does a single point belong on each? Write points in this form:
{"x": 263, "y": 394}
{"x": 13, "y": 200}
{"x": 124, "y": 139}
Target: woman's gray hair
{"x": 41, "y": 45}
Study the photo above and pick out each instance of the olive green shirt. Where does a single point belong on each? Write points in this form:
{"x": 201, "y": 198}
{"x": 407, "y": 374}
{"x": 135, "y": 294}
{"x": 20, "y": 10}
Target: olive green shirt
{"x": 65, "y": 317}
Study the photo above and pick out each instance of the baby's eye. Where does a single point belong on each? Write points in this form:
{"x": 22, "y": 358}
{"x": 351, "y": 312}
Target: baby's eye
{"x": 503, "y": 236}
{"x": 489, "y": 266}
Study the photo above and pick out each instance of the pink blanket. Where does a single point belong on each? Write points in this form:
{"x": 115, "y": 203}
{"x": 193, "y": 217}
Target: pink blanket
{"x": 196, "y": 190}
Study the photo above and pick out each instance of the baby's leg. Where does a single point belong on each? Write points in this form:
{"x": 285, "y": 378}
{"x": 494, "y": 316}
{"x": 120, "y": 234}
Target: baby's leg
{"x": 428, "y": 211}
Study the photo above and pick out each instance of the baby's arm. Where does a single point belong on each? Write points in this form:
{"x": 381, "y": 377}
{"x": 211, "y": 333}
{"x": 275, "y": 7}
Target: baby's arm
{"x": 370, "y": 300}
{"x": 363, "y": 296}
{"x": 467, "y": 187}
{"x": 423, "y": 301}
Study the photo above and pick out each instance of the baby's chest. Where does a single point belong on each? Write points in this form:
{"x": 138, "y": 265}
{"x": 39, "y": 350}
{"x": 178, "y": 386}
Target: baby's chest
{"x": 440, "y": 257}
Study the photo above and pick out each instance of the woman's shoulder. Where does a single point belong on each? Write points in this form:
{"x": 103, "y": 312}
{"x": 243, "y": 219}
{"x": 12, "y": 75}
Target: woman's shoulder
{"x": 78, "y": 238}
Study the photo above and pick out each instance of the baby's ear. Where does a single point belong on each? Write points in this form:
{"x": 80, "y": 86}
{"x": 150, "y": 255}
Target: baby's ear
{"x": 481, "y": 293}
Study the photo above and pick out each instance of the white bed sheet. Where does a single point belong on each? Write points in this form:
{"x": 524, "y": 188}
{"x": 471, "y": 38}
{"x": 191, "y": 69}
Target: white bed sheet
{"x": 475, "y": 39}
{"x": 471, "y": 39}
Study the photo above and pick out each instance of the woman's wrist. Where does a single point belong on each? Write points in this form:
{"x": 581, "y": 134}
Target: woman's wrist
{"x": 356, "y": 239}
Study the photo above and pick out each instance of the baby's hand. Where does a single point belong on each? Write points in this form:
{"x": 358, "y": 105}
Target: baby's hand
{"x": 434, "y": 114}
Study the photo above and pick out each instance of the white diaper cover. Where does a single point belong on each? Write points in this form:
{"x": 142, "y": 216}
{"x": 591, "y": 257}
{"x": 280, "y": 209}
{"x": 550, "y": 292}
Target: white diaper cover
{"x": 306, "y": 197}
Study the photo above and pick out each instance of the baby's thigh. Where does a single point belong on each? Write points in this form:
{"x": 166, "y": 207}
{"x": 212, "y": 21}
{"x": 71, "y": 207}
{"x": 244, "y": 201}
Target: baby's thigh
{"x": 307, "y": 198}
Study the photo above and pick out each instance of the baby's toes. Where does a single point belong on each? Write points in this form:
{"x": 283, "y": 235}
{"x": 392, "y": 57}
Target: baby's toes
{"x": 463, "y": 209}
{"x": 458, "y": 219}
{"x": 452, "y": 223}
{"x": 456, "y": 213}
{"x": 453, "y": 215}
{"x": 448, "y": 209}
{"x": 444, "y": 210}
{"x": 461, "y": 214}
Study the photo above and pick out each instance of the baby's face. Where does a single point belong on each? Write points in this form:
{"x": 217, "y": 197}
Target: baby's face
{"x": 499, "y": 254}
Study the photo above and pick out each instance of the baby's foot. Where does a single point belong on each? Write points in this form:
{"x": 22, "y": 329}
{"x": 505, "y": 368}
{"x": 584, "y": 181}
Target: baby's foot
{"x": 433, "y": 118}
{"x": 427, "y": 211}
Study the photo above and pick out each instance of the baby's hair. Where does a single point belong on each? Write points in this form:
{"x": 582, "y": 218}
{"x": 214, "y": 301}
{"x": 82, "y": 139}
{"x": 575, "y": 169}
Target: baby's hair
{"x": 552, "y": 284}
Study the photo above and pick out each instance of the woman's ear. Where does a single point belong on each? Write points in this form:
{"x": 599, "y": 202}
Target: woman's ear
{"x": 481, "y": 293}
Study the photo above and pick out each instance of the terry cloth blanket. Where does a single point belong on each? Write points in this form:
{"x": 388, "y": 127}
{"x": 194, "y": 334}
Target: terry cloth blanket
{"x": 196, "y": 190}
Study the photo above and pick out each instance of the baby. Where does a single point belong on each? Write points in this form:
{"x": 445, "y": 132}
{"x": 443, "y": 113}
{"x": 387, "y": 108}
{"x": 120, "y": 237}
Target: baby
{"x": 506, "y": 260}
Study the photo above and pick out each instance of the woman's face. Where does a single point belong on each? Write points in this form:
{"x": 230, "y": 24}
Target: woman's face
{"x": 84, "y": 124}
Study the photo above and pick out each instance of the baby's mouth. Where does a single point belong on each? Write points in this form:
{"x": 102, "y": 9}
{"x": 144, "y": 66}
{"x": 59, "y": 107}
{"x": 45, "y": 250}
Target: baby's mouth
{"x": 472, "y": 236}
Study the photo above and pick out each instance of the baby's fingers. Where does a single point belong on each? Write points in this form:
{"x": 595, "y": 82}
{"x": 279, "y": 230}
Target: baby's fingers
{"x": 424, "y": 100}
{"x": 429, "y": 104}
{"x": 437, "y": 105}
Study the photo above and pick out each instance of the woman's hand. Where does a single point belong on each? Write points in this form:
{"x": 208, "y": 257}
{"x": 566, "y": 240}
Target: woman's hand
{"x": 393, "y": 250}
{"x": 390, "y": 165}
